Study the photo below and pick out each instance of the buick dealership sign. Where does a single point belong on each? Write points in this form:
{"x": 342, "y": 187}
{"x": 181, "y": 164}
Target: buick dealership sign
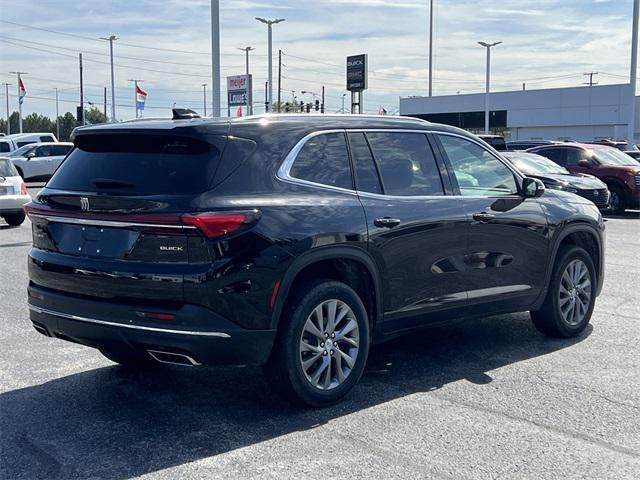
{"x": 357, "y": 72}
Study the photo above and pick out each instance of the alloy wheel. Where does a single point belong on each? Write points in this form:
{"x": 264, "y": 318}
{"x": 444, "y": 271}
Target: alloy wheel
{"x": 329, "y": 344}
{"x": 574, "y": 296}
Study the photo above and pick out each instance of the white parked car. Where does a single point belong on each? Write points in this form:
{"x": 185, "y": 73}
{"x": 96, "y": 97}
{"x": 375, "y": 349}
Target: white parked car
{"x": 10, "y": 143}
{"x": 13, "y": 194}
{"x": 37, "y": 162}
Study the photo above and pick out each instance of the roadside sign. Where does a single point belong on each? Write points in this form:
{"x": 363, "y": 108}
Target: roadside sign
{"x": 357, "y": 72}
{"x": 238, "y": 88}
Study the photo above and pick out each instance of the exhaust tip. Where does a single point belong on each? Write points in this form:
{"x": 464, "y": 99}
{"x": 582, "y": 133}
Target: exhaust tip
{"x": 173, "y": 358}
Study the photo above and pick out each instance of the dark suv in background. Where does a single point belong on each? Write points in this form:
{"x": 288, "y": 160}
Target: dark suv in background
{"x": 297, "y": 242}
{"x": 618, "y": 170}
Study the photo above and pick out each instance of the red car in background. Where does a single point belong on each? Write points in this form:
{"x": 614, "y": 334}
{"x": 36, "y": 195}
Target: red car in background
{"x": 618, "y": 170}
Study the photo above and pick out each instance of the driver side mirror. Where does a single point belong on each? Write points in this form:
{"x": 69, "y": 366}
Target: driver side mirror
{"x": 30, "y": 155}
{"x": 532, "y": 188}
{"x": 584, "y": 163}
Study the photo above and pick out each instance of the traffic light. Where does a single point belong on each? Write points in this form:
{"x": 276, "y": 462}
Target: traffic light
{"x": 308, "y": 108}
{"x": 317, "y": 105}
{"x": 79, "y": 114}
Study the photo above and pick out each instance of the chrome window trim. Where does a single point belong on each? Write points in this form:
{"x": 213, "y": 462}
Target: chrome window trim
{"x": 284, "y": 172}
{"x": 106, "y": 223}
{"x": 68, "y": 316}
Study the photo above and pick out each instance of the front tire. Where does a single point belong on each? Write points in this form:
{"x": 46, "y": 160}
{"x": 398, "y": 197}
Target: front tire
{"x": 322, "y": 345}
{"x": 569, "y": 304}
{"x": 617, "y": 202}
{"x": 14, "y": 220}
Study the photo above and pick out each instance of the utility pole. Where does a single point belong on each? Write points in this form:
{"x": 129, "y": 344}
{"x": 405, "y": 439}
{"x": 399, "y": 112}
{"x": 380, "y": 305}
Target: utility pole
{"x": 111, "y": 39}
{"x": 215, "y": 58}
{"x": 269, "y": 24}
{"x": 591, "y": 83}
{"x": 343, "y": 109}
{"x": 204, "y": 98}
{"x": 246, "y": 50}
{"x": 430, "y": 47}
{"x": 633, "y": 77}
{"x": 81, "y": 90}
{"x": 105, "y": 105}
{"x": 6, "y": 92}
{"x": 19, "y": 102}
{"x": 322, "y": 104}
{"x": 279, "y": 78}
{"x": 266, "y": 97}
{"x": 135, "y": 93}
{"x": 488, "y": 84}
{"x": 57, "y": 116}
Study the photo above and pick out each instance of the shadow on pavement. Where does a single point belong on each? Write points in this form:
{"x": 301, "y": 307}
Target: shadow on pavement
{"x": 114, "y": 423}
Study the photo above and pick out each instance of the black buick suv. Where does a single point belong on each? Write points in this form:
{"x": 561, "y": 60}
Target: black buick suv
{"x": 296, "y": 242}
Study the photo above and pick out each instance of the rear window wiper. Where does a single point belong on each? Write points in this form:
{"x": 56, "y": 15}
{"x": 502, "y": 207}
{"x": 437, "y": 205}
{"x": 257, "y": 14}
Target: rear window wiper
{"x": 108, "y": 183}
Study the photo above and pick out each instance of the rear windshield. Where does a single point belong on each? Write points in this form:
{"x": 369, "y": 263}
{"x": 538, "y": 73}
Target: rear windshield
{"x": 140, "y": 164}
{"x": 7, "y": 169}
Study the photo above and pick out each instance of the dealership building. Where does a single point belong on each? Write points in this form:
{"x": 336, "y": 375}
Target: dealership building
{"x": 576, "y": 113}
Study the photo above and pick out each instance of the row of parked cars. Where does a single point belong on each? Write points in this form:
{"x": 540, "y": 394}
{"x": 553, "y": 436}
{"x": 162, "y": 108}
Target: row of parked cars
{"x": 26, "y": 157}
{"x": 601, "y": 172}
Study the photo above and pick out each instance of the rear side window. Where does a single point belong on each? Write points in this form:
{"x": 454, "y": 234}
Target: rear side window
{"x": 142, "y": 164}
{"x": 406, "y": 163}
{"x": 364, "y": 165}
{"x": 7, "y": 169}
{"x": 558, "y": 155}
{"x": 4, "y": 147}
{"x": 324, "y": 159}
{"x": 60, "y": 149}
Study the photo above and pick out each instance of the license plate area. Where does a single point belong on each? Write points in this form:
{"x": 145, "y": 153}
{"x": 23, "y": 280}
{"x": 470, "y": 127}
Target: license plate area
{"x": 92, "y": 241}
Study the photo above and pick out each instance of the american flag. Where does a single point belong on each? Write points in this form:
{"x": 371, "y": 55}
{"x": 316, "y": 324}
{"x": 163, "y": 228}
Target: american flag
{"x": 22, "y": 92}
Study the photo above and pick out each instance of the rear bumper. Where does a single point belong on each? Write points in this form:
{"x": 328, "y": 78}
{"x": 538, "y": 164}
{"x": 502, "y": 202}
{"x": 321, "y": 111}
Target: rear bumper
{"x": 196, "y": 332}
{"x": 11, "y": 204}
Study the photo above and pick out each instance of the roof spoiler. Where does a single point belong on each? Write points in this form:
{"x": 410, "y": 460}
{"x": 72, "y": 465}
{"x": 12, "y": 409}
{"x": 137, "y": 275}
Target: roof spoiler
{"x": 184, "y": 114}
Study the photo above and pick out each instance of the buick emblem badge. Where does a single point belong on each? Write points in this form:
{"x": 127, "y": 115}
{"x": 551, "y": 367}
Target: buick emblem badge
{"x": 84, "y": 204}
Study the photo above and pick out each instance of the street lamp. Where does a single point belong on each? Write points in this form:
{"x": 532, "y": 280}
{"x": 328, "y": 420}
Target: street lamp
{"x": 246, "y": 50}
{"x": 486, "y": 98}
{"x": 269, "y": 23}
{"x": 111, "y": 39}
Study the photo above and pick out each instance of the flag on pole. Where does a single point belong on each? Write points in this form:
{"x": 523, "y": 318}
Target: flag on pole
{"x": 22, "y": 92}
{"x": 141, "y": 97}
{"x": 239, "y": 112}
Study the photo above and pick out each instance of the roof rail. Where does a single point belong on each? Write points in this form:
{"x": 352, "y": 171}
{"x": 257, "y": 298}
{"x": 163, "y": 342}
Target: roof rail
{"x": 184, "y": 114}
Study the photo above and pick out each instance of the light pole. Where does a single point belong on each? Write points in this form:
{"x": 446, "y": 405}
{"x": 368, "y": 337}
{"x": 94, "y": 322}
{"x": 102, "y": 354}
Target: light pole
{"x": 204, "y": 98}
{"x": 431, "y": 47}
{"x": 269, "y": 24}
{"x": 215, "y": 57}
{"x": 6, "y": 92}
{"x": 633, "y": 77}
{"x": 111, "y": 39}
{"x": 57, "y": 116}
{"x": 486, "y": 98}
{"x": 343, "y": 97}
{"x": 246, "y": 50}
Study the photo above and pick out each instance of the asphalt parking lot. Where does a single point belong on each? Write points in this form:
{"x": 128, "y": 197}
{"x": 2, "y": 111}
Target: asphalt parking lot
{"x": 484, "y": 399}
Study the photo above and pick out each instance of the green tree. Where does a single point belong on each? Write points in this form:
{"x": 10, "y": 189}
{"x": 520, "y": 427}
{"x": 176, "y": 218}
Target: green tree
{"x": 67, "y": 123}
{"x": 94, "y": 115}
{"x": 35, "y": 123}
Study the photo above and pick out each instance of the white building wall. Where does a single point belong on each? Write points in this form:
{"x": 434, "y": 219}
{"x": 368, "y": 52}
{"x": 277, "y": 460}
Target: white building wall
{"x": 579, "y": 113}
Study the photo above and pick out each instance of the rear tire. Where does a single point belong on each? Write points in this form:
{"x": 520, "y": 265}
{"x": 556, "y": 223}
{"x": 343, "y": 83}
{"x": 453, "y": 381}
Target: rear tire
{"x": 322, "y": 344}
{"x": 128, "y": 358}
{"x": 15, "y": 220}
{"x": 569, "y": 304}
{"x": 618, "y": 202}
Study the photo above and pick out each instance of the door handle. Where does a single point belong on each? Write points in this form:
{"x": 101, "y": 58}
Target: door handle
{"x": 483, "y": 217}
{"x": 386, "y": 222}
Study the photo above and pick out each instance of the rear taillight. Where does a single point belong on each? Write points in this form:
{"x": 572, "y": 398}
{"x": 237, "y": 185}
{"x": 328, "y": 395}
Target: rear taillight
{"x": 23, "y": 189}
{"x": 218, "y": 224}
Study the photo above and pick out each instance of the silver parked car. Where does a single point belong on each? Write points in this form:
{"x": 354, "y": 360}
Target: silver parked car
{"x": 38, "y": 161}
{"x": 13, "y": 193}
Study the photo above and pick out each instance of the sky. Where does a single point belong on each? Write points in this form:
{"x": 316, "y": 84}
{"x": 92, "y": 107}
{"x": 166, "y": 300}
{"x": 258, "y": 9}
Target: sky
{"x": 167, "y": 44}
